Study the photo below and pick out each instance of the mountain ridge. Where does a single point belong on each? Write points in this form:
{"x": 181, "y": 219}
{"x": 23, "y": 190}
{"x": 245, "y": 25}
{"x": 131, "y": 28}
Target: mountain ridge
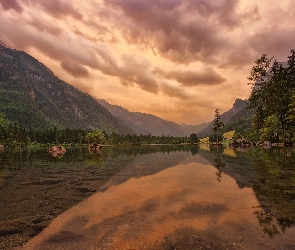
{"x": 144, "y": 123}
{"x": 33, "y": 97}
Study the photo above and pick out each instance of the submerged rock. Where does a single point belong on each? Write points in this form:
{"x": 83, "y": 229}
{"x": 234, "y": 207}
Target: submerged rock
{"x": 95, "y": 148}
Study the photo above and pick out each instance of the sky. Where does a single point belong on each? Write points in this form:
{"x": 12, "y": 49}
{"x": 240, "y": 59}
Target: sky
{"x": 176, "y": 59}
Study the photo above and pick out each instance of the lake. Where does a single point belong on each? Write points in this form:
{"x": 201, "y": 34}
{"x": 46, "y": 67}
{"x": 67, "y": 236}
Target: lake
{"x": 148, "y": 197}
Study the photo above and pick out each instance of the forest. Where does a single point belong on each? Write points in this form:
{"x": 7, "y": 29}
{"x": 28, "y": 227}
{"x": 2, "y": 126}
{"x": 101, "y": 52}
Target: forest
{"x": 12, "y": 135}
{"x": 273, "y": 100}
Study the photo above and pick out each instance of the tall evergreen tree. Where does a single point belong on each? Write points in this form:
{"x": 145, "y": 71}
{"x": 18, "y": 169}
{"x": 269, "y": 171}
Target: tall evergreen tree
{"x": 217, "y": 125}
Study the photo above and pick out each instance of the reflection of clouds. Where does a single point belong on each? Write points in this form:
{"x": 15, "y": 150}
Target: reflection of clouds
{"x": 177, "y": 205}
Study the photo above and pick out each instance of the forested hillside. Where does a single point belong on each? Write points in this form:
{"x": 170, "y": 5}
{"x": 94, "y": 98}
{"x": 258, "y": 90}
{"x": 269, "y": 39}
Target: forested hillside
{"x": 33, "y": 97}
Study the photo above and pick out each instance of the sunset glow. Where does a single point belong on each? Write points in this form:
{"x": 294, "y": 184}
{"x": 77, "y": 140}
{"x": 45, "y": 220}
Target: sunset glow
{"x": 179, "y": 60}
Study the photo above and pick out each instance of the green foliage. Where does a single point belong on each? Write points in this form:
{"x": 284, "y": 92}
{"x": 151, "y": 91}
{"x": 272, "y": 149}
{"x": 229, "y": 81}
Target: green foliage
{"x": 15, "y": 136}
{"x": 3, "y": 122}
{"x": 260, "y": 69}
{"x": 194, "y": 138}
{"x": 96, "y": 136}
{"x": 272, "y": 98}
{"x": 216, "y": 138}
{"x": 291, "y": 111}
{"x": 241, "y": 123}
{"x": 270, "y": 131}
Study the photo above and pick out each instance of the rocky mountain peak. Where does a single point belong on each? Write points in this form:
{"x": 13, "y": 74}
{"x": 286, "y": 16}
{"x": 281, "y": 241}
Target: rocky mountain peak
{"x": 4, "y": 44}
{"x": 238, "y": 105}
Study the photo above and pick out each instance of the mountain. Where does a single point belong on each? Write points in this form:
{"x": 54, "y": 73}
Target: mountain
{"x": 146, "y": 124}
{"x": 194, "y": 128}
{"x": 33, "y": 97}
{"x": 241, "y": 122}
{"x": 229, "y": 117}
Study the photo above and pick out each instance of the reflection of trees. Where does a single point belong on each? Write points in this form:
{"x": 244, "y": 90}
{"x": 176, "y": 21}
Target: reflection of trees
{"x": 267, "y": 222}
{"x": 218, "y": 163}
{"x": 271, "y": 174}
{"x": 274, "y": 188}
{"x": 151, "y": 149}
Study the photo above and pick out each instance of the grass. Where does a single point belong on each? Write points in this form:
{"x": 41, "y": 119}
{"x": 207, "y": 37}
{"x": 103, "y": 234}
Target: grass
{"x": 229, "y": 134}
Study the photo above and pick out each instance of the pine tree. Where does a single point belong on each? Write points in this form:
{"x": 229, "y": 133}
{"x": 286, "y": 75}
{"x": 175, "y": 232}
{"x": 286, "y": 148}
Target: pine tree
{"x": 218, "y": 125}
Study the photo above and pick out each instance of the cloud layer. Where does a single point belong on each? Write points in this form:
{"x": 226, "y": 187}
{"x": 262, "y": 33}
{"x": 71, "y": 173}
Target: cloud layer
{"x": 151, "y": 56}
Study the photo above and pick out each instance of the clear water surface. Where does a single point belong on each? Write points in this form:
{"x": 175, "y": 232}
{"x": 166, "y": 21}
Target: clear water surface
{"x": 148, "y": 197}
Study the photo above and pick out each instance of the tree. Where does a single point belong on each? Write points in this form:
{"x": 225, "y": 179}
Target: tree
{"x": 258, "y": 78}
{"x": 95, "y": 136}
{"x": 194, "y": 138}
{"x": 217, "y": 125}
{"x": 270, "y": 131}
{"x": 271, "y": 94}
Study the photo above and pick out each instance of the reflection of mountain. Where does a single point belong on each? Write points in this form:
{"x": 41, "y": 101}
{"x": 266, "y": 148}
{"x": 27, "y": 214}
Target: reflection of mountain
{"x": 151, "y": 163}
{"x": 44, "y": 187}
{"x": 181, "y": 207}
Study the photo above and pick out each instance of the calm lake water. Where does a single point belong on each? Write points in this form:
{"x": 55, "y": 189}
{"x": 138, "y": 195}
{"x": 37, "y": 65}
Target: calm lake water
{"x": 148, "y": 197}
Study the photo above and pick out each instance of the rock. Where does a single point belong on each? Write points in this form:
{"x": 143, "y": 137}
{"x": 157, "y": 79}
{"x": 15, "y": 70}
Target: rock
{"x": 56, "y": 151}
{"x": 95, "y": 148}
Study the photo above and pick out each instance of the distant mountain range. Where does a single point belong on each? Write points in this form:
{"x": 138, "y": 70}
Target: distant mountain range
{"x": 33, "y": 97}
{"x": 143, "y": 123}
{"x": 194, "y": 128}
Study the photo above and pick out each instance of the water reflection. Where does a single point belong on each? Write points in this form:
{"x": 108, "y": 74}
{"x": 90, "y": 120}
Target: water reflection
{"x": 275, "y": 188}
{"x": 35, "y": 187}
{"x": 151, "y": 190}
{"x": 271, "y": 174}
{"x": 218, "y": 163}
{"x": 179, "y": 207}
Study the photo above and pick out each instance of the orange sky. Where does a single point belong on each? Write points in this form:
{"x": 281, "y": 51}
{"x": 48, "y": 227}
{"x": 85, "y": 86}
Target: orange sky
{"x": 177, "y": 59}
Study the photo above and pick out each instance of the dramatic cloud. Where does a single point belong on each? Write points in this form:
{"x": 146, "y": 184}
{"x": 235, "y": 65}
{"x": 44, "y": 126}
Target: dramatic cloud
{"x": 171, "y": 58}
{"x": 191, "y": 78}
{"x": 45, "y": 26}
{"x": 274, "y": 40}
{"x": 133, "y": 70}
{"x": 11, "y": 4}
{"x": 182, "y": 31}
{"x": 58, "y": 8}
{"x": 74, "y": 69}
{"x": 175, "y": 92}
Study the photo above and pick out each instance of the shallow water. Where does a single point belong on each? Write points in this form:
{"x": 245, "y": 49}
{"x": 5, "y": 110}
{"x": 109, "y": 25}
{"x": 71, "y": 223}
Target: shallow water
{"x": 152, "y": 197}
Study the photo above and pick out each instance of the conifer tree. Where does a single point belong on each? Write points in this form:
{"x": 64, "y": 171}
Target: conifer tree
{"x": 217, "y": 125}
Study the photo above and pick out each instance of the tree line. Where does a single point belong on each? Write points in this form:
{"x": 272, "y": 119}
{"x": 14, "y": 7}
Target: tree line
{"x": 14, "y": 135}
{"x": 273, "y": 99}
